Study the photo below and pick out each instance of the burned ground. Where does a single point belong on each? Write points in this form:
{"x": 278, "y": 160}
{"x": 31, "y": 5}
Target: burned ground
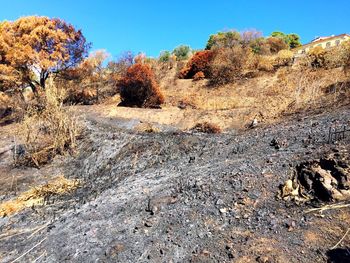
{"x": 175, "y": 196}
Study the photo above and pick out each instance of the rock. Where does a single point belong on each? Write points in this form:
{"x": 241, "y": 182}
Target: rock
{"x": 278, "y": 144}
{"x": 289, "y": 189}
{"x": 114, "y": 249}
{"x": 253, "y": 124}
{"x": 263, "y": 259}
{"x": 223, "y": 210}
{"x": 219, "y": 202}
{"x": 148, "y": 223}
{"x": 28, "y": 94}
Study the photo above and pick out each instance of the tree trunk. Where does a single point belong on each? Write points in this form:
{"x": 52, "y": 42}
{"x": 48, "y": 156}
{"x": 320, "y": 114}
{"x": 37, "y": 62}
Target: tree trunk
{"x": 43, "y": 77}
{"x": 34, "y": 88}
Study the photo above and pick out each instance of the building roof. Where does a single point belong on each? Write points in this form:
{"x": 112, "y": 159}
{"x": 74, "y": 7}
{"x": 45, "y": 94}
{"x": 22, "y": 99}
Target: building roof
{"x": 322, "y": 39}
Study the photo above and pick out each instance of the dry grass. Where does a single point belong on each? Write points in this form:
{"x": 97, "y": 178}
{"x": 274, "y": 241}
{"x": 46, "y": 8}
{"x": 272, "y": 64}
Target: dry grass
{"x": 147, "y": 128}
{"x": 268, "y": 97}
{"x": 47, "y": 130}
{"x": 37, "y": 195}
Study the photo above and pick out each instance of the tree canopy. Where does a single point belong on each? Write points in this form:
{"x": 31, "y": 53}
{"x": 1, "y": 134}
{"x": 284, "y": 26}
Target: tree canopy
{"x": 250, "y": 39}
{"x": 33, "y": 47}
{"x": 182, "y": 52}
{"x": 292, "y": 40}
{"x": 223, "y": 39}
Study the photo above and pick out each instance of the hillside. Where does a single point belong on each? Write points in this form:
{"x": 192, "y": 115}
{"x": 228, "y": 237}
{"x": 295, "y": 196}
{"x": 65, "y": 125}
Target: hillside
{"x": 178, "y": 196}
{"x": 151, "y": 189}
{"x": 235, "y": 153}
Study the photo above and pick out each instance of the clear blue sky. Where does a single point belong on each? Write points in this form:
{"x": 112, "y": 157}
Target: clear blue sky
{"x": 154, "y": 25}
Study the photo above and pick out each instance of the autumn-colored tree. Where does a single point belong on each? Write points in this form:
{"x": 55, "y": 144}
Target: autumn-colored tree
{"x": 32, "y": 48}
{"x": 85, "y": 82}
{"x": 139, "y": 88}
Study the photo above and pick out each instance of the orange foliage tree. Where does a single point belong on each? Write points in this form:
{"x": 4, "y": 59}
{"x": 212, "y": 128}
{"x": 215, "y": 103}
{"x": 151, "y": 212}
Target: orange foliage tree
{"x": 200, "y": 62}
{"x": 139, "y": 88}
{"x": 85, "y": 81}
{"x": 32, "y": 48}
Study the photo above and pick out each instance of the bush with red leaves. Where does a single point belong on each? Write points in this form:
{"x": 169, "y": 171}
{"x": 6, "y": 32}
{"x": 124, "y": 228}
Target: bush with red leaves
{"x": 139, "y": 88}
{"x": 198, "y": 76}
{"x": 199, "y": 62}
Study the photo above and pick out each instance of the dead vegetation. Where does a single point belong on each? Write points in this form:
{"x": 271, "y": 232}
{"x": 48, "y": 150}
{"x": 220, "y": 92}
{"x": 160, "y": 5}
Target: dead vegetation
{"x": 37, "y": 195}
{"x": 139, "y": 88}
{"x": 46, "y": 130}
{"x": 207, "y": 127}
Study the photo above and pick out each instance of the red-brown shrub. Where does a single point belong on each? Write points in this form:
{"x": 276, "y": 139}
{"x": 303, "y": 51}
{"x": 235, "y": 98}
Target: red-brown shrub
{"x": 139, "y": 88}
{"x": 199, "y": 62}
{"x": 276, "y": 44}
{"x": 198, "y": 76}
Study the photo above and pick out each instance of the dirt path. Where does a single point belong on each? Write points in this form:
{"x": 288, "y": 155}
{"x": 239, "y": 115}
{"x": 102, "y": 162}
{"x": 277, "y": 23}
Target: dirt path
{"x": 177, "y": 196}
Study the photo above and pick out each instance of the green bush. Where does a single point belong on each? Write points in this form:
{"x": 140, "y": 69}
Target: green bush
{"x": 164, "y": 56}
{"x": 223, "y": 39}
{"x": 182, "y": 52}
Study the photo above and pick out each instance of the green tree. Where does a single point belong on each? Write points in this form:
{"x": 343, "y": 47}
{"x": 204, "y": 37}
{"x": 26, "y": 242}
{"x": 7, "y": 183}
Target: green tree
{"x": 292, "y": 40}
{"x": 164, "y": 56}
{"x": 182, "y": 52}
{"x": 223, "y": 39}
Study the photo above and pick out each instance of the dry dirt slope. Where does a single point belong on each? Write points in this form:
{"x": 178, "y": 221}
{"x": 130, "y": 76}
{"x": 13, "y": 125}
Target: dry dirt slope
{"x": 182, "y": 197}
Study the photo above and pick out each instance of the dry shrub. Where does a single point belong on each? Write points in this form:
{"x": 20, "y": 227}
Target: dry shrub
{"x": 46, "y": 131}
{"x": 200, "y": 61}
{"x": 228, "y": 65}
{"x": 276, "y": 44}
{"x": 338, "y": 56}
{"x": 198, "y": 76}
{"x": 345, "y": 54}
{"x": 87, "y": 96}
{"x": 308, "y": 88}
{"x": 207, "y": 127}
{"x": 147, "y": 128}
{"x": 317, "y": 57}
{"x": 187, "y": 102}
{"x": 139, "y": 88}
{"x": 255, "y": 62}
{"x": 284, "y": 58}
{"x": 13, "y": 106}
{"x": 265, "y": 63}
{"x": 326, "y": 58}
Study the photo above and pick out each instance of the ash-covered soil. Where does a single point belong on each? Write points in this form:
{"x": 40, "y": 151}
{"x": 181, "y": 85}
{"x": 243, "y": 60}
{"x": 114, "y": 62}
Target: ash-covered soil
{"x": 179, "y": 196}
